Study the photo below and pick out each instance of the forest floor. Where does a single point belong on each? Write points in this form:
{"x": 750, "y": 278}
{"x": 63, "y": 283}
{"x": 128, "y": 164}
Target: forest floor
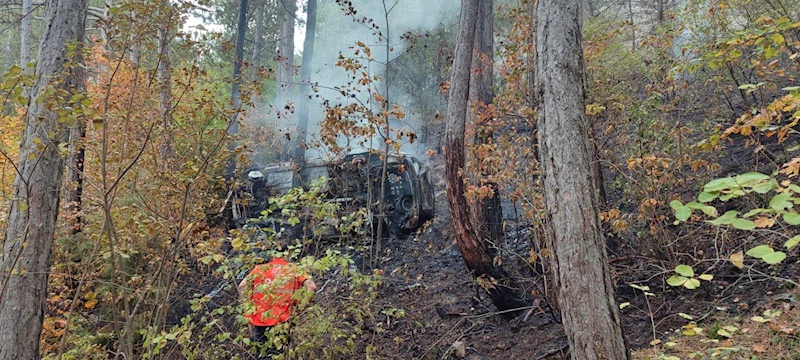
{"x": 447, "y": 315}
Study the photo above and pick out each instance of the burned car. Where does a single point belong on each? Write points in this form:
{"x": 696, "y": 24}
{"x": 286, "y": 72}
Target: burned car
{"x": 353, "y": 181}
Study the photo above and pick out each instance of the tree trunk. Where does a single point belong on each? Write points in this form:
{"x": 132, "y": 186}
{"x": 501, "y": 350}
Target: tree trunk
{"x": 165, "y": 80}
{"x": 133, "y": 50}
{"x": 487, "y": 215}
{"x": 258, "y": 41}
{"x": 73, "y": 195}
{"x": 25, "y": 262}
{"x": 286, "y": 9}
{"x": 236, "y": 79}
{"x": 25, "y": 34}
{"x": 305, "y": 76}
{"x": 473, "y": 250}
{"x": 582, "y": 276}
{"x": 633, "y": 26}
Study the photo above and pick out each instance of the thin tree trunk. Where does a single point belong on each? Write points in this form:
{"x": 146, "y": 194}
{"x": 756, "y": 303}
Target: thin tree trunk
{"x": 258, "y": 41}
{"x": 487, "y": 214}
{"x": 25, "y": 34}
{"x": 582, "y": 276}
{"x": 305, "y": 76}
{"x": 25, "y": 262}
{"x": 133, "y": 51}
{"x": 165, "y": 80}
{"x": 473, "y": 250}
{"x": 286, "y": 9}
{"x": 236, "y": 79}
{"x": 73, "y": 196}
{"x": 633, "y": 25}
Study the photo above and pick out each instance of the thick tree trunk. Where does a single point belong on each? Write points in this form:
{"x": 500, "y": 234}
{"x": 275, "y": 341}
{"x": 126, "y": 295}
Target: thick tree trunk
{"x": 305, "y": 78}
{"x": 473, "y": 250}
{"x": 25, "y": 262}
{"x": 487, "y": 215}
{"x": 166, "y": 147}
{"x": 585, "y": 290}
{"x": 286, "y": 9}
{"x": 236, "y": 79}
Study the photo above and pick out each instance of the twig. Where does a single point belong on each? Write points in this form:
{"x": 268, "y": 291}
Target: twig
{"x": 564, "y": 347}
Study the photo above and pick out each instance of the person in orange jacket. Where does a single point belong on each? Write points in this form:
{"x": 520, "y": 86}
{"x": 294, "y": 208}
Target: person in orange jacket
{"x": 268, "y": 295}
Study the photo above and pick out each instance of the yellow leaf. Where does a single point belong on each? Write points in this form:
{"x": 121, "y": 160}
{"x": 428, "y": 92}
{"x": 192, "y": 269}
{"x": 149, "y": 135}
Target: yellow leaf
{"x": 90, "y": 304}
{"x": 737, "y": 259}
{"x": 237, "y": 243}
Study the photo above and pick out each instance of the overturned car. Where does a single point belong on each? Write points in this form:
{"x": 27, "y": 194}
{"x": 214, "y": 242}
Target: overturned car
{"x": 353, "y": 181}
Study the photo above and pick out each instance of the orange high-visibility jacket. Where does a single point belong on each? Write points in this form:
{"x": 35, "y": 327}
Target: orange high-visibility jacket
{"x": 273, "y": 285}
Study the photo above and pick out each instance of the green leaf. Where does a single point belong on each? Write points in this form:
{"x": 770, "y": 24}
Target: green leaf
{"x": 735, "y": 53}
{"x": 683, "y": 213}
{"x": 706, "y": 277}
{"x": 675, "y": 280}
{"x": 792, "y": 218}
{"x": 719, "y": 184}
{"x": 707, "y": 196}
{"x": 692, "y": 284}
{"x": 723, "y": 332}
{"x": 759, "y": 251}
{"x": 774, "y": 257}
{"x": 792, "y": 242}
{"x": 684, "y": 270}
{"x": 752, "y": 212}
{"x": 675, "y": 204}
{"x": 781, "y": 201}
{"x": 726, "y": 218}
{"x": 764, "y": 187}
{"x": 706, "y": 209}
{"x": 743, "y": 224}
{"x": 748, "y": 178}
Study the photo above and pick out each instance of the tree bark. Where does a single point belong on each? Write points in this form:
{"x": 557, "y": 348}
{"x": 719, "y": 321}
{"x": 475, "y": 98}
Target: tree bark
{"x": 473, "y": 250}
{"x": 487, "y": 214}
{"x": 305, "y": 76}
{"x": 236, "y": 79}
{"x": 25, "y": 34}
{"x": 585, "y": 290}
{"x": 258, "y": 41}
{"x": 73, "y": 196}
{"x": 25, "y": 262}
{"x": 286, "y": 9}
{"x": 165, "y": 80}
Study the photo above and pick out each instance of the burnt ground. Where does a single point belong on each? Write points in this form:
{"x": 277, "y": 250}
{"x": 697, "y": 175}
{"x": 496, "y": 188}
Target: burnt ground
{"x": 448, "y": 316}
{"x": 447, "y": 313}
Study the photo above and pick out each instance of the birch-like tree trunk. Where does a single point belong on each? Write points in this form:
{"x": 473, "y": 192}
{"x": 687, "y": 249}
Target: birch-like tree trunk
{"x": 473, "y": 250}
{"x": 585, "y": 290}
{"x": 25, "y": 261}
{"x": 25, "y": 34}
{"x": 164, "y": 70}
